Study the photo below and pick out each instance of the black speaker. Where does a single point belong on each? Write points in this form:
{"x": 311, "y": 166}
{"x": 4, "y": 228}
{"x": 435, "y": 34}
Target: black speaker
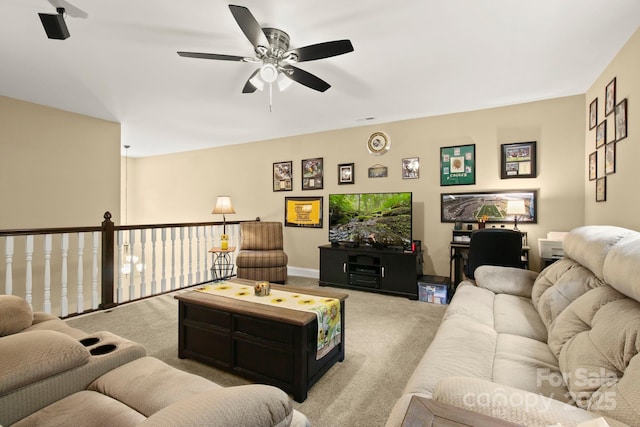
{"x": 54, "y": 25}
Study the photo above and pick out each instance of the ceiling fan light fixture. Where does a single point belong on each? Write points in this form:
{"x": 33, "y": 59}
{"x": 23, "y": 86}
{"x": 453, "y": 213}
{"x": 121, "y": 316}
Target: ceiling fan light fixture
{"x": 257, "y": 82}
{"x": 284, "y": 82}
{"x": 269, "y": 73}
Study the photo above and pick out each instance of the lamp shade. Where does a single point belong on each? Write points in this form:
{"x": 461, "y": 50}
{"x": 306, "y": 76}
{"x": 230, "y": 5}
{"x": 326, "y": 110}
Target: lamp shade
{"x": 515, "y": 207}
{"x": 223, "y": 206}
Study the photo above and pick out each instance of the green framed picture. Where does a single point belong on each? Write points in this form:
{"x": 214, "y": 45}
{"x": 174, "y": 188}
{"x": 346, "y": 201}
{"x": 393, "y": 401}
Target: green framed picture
{"x": 458, "y": 165}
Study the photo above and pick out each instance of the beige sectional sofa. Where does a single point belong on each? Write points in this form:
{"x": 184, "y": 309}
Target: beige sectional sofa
{"x": 53, "y": 375}
{"x": 558, "y": 347}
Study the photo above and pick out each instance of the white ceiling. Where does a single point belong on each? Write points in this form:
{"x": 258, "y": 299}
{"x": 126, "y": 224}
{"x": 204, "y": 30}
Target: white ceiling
{"x": 412, "y": 58}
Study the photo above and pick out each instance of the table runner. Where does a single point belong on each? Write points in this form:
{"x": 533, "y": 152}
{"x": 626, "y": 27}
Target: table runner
{"x": 327, "y": 310}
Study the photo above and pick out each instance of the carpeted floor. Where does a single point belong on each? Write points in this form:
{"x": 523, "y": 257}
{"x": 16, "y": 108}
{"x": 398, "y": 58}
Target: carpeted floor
{"x": 385, "y": 338}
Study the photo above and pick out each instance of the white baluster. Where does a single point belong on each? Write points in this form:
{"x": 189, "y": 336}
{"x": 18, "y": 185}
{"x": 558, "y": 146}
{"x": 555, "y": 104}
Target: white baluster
{"x": 29, "y": 273}
{"x": 130, "y": 262}
{"x": 94, "y": 272}
{"x": 206, "y": 252}
{"x": 64, "y": 304}
{"x": 120, "y": 264}
{"x": 80, "y": 302}
{"x": 190, "y": 276}
{"x": 153, "y": 261}
{"x": 173, "y": 258}
{"x": 198, "y": 254}
{"x": 163, "y": 281}
{"x": 8, "y": 251}
{"x": 143, "y": 285}
{"x": 182, "y": 257}
{"x": 47, "y": 273}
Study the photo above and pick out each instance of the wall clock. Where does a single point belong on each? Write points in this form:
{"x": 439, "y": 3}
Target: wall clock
{"x": 379, "y": 143}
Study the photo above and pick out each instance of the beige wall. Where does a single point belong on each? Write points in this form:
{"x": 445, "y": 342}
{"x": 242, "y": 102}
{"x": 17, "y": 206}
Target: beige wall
{"x": 183, "y": 187}
{"x": 623, "y": 198}
{"x": 57, "y": 169}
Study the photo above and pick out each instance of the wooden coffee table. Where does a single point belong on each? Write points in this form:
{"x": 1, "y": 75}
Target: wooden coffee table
{"x": 267, "y": 344}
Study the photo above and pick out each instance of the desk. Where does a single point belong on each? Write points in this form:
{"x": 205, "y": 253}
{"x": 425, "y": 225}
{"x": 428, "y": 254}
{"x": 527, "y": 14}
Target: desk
{"x": 459, "y": 252}
{"x": 222, "y": 263}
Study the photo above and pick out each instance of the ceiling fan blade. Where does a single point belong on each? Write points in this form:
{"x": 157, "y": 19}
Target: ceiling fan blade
{"x": 248, "y": 86}
{"x": 69, "y": 9}
{"x": 322, "y": 50}
{"x": 307, "y": 79}
{"x": 212, "y": 56}
{"x": 249, "y": 26}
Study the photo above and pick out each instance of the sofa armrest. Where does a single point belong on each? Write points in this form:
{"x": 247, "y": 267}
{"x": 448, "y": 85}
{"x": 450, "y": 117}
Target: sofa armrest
{"x": 506, "y": 280}
{"x": 510, "y": 404}
{"x": 249, "y": 405}
{"x": 29, "y": 357}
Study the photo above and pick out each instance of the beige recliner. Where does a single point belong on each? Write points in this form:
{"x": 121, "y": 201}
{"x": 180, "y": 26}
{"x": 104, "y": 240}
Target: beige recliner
{"x": 261, "y": 255}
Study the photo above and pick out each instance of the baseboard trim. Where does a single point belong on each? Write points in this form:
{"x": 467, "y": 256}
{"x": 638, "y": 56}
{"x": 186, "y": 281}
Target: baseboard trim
{"x": 303, "y": 272}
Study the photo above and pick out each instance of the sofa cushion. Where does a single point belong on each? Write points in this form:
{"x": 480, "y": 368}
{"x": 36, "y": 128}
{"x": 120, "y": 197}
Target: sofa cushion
{"x": 255, "y": 405}
{"x": 148, "y": 385}
{"x": 517, "y": 316}
{"x": 599, "y": 345}
{"x": 84, "y": 408}
{"x": 589, "y": 245}
{"x": 15, "y": 314}
{"x": 529, "y": 365}
{"x": 446, "y": 356}
{"x": 261, "y": 235}
{"x": 505, "y": 280}
{"x": 568, "y": 285}
{"x": 261, "y": 259}
{"x": 28, "y": 357}
{"x": 622, "y": 267}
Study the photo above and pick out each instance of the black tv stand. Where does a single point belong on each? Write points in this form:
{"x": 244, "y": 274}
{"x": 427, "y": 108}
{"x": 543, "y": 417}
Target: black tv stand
{"x": 382, "y": 270}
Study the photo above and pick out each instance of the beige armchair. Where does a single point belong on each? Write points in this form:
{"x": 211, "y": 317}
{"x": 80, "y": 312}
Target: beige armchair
{"x": 261, "y": 255}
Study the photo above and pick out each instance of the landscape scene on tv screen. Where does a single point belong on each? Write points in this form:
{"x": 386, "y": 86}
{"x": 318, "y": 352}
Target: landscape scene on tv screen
{"x": 374, "y": 218}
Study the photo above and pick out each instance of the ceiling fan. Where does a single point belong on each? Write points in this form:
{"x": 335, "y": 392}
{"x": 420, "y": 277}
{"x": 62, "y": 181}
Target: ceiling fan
{"x": 272, "y": 50}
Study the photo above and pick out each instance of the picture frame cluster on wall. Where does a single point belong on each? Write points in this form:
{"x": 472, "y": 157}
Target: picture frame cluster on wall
{"x": 602, "y": 135}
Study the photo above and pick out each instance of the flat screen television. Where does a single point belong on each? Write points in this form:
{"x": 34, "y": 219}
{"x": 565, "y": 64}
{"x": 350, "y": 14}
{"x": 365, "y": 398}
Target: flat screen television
{"x": 376, "y": 219}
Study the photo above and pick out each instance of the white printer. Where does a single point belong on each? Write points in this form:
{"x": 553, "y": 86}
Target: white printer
{"x": 551, "y": 247}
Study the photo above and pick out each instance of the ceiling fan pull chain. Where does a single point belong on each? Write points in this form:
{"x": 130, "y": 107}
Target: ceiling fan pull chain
{"x": 271, "y": 97}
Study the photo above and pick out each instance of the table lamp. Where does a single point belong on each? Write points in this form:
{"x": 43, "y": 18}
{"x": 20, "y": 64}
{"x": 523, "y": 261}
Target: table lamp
{"x": 223, "y": 206}
{"x": 515, "y": 208}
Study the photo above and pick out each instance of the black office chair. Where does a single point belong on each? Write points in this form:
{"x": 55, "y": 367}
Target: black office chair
{"x": 494, "y": 246}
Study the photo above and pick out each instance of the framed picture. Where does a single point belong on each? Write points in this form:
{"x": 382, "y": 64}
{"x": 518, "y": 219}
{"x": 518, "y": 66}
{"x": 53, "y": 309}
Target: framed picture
{"x": 621, "y": 120}
{"x": 411, "y": 168}
{"x": 377, "y": 171}
{"x": 303, "y": 212}
{"x": 312, "y": 173}
{"x": 610, "y": 158}
{"x": 470, "y": 207}
{"x": 610, "y": 97}
{"x": 518, "y": 160}
{"x": 346, "y": 174}
{"x": 593, "y": 166}
{"x": 593, "y": 114}
{"x": 601, "y": 189}
{"x": 601, "y": 134}
{"x": 458, "y": 165}
{"x": 282, "y": 176}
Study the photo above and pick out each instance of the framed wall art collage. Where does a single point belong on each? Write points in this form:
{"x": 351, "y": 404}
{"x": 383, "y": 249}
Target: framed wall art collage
{"x": 608, "y": 131}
